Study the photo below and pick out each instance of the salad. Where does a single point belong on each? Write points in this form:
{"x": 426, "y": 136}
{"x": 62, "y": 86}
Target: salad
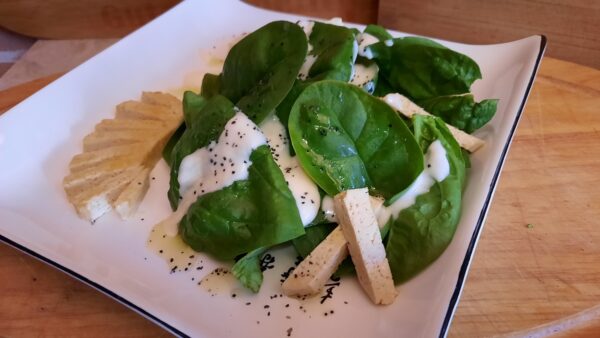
{"x": 302, "y": 112}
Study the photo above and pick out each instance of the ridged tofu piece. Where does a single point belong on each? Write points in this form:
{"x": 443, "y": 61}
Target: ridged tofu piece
{"x": 359, "y": 225}
{"x": 137, "y": 152}
{"x": 83, "y": 179}
{"x": 104, "y": 139}
{"x": 131, "y": 124}
{"x": 406, "y": 107}
{"x": 310, "y": 276}
{"x": 97, "y": 200}
{"x": 131, "y": 197}
{"x": 143, "y": 111}
{"x": 165, "y": 100}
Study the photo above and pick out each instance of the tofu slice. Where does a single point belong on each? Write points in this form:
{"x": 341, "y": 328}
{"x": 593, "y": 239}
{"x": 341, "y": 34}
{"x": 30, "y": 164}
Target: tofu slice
{"x": 85, "y": 160}
{"x": 103, "y": 139}
{"x": 131, "y": 197}
{"x": 143, "y": 111}
{"x": 96, "y": 200}
{"x": 130, "y": 124}
{"x": 165, "y": 100}
{"x": 408, "y": 108}
{"x": 310, "y": 276}
{"x": 359, "y": 225}
{"x": 92, "y": 176}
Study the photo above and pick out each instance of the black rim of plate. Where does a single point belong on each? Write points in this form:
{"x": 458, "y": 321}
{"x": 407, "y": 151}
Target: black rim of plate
{"x": 463, "y": 269}
{"x": 462, "y": 275}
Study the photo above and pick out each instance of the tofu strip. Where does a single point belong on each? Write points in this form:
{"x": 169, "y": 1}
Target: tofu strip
{"x": 359, "y": 225}
{"x": 408, "y": 108}
{"x": 310, "y": 276}
{"x": 312, "y": 273}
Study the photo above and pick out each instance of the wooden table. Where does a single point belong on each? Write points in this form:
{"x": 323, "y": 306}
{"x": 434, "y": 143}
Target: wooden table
{"x": 521, "y": 276}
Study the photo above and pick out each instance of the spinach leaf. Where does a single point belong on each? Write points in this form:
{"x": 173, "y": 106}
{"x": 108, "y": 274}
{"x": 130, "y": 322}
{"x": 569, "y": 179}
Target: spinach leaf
{"x": 423, "y": 231}
{"x": 205, "y": 126}
{"x": 192, "y": 104}
{"x": 379, "y": 32}
{"x": 421, "y": 68}
{"x": 461, "y": 111}
{"x": 314, "y": 235}
{"x": 333, "y": 48}
{"x": 345, "y": 138}
{"x": 260, "y": 70}
{"x": 247, "y": 270}
{"x": 211, "y": 85}
{"x": 248, "y": 214}
{"x": 168, "y": 148}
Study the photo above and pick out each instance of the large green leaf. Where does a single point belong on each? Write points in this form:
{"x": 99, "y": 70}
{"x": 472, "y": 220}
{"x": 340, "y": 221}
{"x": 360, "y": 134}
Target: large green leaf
{"x": 206, "y": 125}
{"x": 246, "y": 215}
{"x": 346, "y": 139}
{"x": 260, "y": 69}
{"x": 333, "y": 48}
{"x": 421, "y": 68}
{"x": 461, "y": 111}
{"x": 422, "y": 232}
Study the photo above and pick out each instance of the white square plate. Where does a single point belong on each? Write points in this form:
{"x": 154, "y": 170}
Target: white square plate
{"x": 40, "y": 135}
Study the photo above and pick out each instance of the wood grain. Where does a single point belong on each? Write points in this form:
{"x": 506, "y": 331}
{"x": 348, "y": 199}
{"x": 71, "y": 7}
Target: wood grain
{"x": 572, "y": 27}
{"x": 523, "y": 277}
{"x": 12, "y": 96}
{"x": 360, "y": 11}
{"x": 65, "y": 19}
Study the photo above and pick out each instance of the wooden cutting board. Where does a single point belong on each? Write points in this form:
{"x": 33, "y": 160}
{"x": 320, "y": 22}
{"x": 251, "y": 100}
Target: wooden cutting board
{"x": 521, "y": 276}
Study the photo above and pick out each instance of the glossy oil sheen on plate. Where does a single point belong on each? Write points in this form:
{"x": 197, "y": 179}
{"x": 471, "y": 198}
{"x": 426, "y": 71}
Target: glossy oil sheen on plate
{"x": 39, "y": 136}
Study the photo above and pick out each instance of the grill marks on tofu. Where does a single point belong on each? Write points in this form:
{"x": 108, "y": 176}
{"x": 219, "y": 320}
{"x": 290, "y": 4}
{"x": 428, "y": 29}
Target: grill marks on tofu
{"x": 113, "y": 170}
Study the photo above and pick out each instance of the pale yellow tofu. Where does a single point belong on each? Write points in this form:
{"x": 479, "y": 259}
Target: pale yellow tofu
{"x": 310, "y": 276}
{"x": 143, "y": 111}
{"x": 131, "y": 124}
{"x": 97, "y": 199}
{"x": 408, "y": 108}
{"x": 136, "y": 152}
{"x": 165, "y": 100}
{"x": 359, "y": 226}
{"x": 131, "y": 197}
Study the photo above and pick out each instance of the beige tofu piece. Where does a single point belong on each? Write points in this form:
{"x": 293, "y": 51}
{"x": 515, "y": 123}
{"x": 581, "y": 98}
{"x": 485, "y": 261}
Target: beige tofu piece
{"x": 163, "y": 99}
{"x": 131, "y": 124}
{"x": 91, "y": 176}
{"x": 97, "y": 199}
{"x": 310, "y": 276}
{"x": 104, "y": 139}
{"x": 143, "y": 111}
{"x": 136, "y": 151}
{"x": 359, "y": 225}
{"x": 131, "y": 197}
{"x": 408, "y": 108}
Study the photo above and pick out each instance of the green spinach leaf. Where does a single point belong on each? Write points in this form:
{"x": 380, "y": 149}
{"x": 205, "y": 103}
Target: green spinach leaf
{"x": 345, "y": 138}
{"x": 422, "y": 232}
{"x": 461, "y": 111}
{"x": 247, "y": 270}
{"x": 260, "y": 70}
{"x": 206, "y": 125}
{"x": 248, "y": 214}
{"x": 211, "y": 85}
{"x": 379, "y": 32}
{"x": 421, "y": 68}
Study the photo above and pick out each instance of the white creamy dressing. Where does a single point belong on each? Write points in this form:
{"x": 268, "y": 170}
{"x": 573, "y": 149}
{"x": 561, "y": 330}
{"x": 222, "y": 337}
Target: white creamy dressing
{"x": 363, "y": 76}
{"x": 437, "y": 168}
{"x": 303, "y": 189}
{"x": 216, "y": 165}
{"x": 389, "y": 42}
{"x": 364, "y": 41}
{"x": 310, "y": 59}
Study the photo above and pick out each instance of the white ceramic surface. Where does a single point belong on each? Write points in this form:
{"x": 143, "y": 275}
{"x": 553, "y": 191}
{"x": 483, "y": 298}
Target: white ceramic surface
{"x": 40, "y": 135}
